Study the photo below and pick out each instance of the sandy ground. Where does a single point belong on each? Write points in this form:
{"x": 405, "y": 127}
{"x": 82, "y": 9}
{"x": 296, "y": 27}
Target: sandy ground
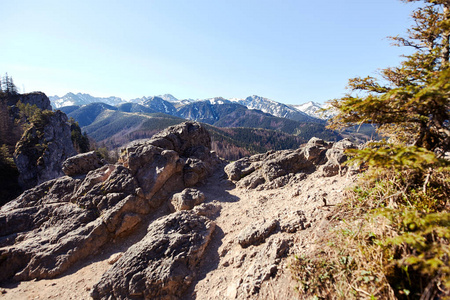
{"x": 224, "y": 271}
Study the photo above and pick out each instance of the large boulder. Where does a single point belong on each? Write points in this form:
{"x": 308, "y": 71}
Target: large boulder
{"x": 186, "y": 200}
{"x": 82, "y": 163}
{"x": 335, "y": 157}
{"x": 162, "y": 265}
{"x": 50, "y": 227}
{"x": 183, "y": 151}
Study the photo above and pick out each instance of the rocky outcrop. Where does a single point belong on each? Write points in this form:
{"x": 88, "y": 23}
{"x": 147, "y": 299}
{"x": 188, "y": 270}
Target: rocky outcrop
{"x": 39, "y": 99}
{"x": 162, "y": 265}
{"x": 52, "y": 226}
{"x": 36, "y": 98}
{"x": 276, "y": 169}
{"x": 335, "y": 158}
{"x": 82, "y": 163}
{"x": 44, "y": 146}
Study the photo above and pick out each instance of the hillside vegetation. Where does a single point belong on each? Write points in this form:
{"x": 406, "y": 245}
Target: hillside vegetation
{"x": 236, "y": 131}
{"x": 391, "y": 236}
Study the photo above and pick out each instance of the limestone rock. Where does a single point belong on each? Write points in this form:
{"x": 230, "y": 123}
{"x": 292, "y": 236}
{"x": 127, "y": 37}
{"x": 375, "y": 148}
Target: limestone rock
{"x": 276, "y": 169}
{"x": 36, "y": 98}
{"x": 181, "y": 150}
{"x": 49, "y": 228}
{"x": 162, "y": 265}
{"x": 82, "y": 163}
{"x": 256, "y": 233}
{"x": 207, "y": 209}
{"x": 42, "y": 150}
{"x": 335, "y": 157}
{"x": 186, "y": 200}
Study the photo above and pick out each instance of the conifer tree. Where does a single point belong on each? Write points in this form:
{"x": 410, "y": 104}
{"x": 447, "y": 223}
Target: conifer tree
{"x": 8, "y": 85}
{"x": 409, "y": 103}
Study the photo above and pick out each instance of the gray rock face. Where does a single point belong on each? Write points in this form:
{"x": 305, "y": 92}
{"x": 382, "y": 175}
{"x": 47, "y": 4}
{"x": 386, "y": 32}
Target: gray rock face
{"x": 335, "y": 158}
{"x": 36, "y": 98}
{"x": 52, "y": 226}
{"x": 82, "y": 163}
{"x": 49, "y": 228}
{"x": 256, "y": 233}
{"x": 41, "y": 151}
{"x": 175, "y": 153}
{"x": 186, "y": 200}
{"x": 162, "y": 264}
{"x": 275, "y": 169}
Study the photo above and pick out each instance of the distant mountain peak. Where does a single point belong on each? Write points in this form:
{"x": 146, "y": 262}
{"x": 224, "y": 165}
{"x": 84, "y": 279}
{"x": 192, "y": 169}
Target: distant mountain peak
{"x": 79, "y": 99}
{"x": 168, "y": 97}
{"x": 167, "y": 103}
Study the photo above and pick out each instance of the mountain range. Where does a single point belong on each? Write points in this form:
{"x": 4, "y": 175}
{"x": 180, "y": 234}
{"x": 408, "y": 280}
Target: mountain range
{"x": 169, "y": 103}
{"x": 239, "y": 126}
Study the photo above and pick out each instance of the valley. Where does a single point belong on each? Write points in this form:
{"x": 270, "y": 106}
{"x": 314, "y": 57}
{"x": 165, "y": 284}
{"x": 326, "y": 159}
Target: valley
{"x": 238, "y": 127}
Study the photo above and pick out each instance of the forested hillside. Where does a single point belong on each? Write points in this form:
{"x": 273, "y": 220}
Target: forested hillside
{"x": 238, "y": 132}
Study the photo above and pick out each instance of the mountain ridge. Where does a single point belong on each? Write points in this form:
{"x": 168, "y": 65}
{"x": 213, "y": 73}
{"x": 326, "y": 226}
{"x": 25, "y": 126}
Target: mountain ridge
{"x": 278, "y": 109}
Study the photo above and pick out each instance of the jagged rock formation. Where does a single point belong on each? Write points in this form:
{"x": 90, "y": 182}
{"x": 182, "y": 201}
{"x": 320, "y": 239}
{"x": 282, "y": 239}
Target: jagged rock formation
{"x": 227, "y": 247}
{"x": 42, "y": 149}
{"x": 36, "y": 98}
{"x": 52, "y": 226}
{"x": 276, "y": 169}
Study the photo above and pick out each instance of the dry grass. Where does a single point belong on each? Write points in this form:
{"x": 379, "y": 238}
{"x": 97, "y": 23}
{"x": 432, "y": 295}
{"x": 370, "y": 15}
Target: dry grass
{"x": 389, "y": 241}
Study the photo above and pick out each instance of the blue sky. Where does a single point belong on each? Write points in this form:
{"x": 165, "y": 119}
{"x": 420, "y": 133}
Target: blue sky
{"x": 291, "y": 51}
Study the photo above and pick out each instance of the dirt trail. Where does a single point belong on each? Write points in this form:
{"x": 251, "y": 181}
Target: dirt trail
{"x": 227, "y": 271}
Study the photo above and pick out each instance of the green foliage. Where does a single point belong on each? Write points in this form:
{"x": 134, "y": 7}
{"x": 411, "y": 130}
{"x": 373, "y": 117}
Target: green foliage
{"x": 6, "y": 158}
{"x": 80, "y": 141}
{"x": 393, "y": 229}
{"x": 110, "y": 156}
{"x": 7, "y": 85}
{"x": 410, "y": 103}
{"x": 382, "y": 155}
{"x": 395, "y": 224}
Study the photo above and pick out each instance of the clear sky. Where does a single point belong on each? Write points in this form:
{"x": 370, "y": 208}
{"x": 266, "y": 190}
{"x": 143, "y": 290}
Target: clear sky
{"x": 291, "y": 51}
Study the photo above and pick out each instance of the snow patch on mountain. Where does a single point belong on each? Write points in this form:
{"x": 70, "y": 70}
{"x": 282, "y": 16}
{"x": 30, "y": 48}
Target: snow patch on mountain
{"x": 82, "y": 99}
{"x": 315, "y": 109}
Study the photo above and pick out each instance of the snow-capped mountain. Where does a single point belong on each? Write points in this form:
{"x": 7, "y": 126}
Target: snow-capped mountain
{"x": 159, "y": 104}
{"x": 80, "y": 99}
{"x": 167, "y": 103}
{"x": 314, "y": 109}
{"x": 168, "y": 97}
{"x": 274, "y": 108}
